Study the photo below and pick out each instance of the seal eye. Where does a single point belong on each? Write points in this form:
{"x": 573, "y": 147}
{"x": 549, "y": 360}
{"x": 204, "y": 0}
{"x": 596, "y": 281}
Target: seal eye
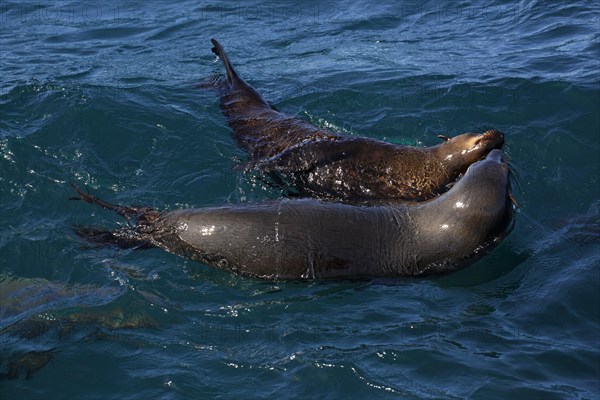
{"x": 443, "y": 137}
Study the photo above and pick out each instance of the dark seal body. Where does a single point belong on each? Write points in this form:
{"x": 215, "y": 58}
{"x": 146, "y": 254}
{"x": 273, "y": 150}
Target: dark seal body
{"x": 312, "y": 239}
{"x": 308, "y": 161}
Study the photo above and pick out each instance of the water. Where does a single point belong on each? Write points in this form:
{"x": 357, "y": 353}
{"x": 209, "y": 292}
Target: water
{"x": 101, "y": 94}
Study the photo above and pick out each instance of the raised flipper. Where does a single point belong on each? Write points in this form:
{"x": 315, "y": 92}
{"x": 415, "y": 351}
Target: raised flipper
{"x": 232, "y": 76}
{"x": 258, "y": 127}
{"x": 235, "y": 85}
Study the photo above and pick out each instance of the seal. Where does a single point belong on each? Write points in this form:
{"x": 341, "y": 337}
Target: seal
{"x": 309, "y": 239}
{"x": 311, "y": 162}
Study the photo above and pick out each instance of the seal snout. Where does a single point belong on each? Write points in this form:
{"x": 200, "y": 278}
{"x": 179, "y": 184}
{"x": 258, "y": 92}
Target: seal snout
{"x": 495, "y": 155}
{"x": 493, "y": 138}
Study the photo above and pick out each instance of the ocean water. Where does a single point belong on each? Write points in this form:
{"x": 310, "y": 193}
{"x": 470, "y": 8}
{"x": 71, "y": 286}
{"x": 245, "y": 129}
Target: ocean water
{"x": 102, "y": 94}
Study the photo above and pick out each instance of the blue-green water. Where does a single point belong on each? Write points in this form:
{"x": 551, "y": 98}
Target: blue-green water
{"x": 101, "y": 94}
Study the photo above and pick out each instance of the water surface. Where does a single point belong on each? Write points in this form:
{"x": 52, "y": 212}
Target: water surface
{"x": 102, "y": 94}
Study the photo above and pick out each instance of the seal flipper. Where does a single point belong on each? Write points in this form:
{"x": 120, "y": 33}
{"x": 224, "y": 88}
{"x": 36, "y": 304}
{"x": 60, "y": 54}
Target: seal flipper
{"x": 232, "y": 76}
{"x": 237, "y": 86}
{"x": 137, "y": 236}
{"x": 125, "y": 212}
{"x": 122, "y": 238}
{"x": 258, "y": 127}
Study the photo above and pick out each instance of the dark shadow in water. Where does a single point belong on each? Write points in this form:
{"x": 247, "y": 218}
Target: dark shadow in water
{"x": 44, "y": 327}
{"x": 25, "y": 363}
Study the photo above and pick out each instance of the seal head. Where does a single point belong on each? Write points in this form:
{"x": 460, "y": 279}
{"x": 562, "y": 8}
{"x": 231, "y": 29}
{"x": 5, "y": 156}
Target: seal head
{"x": 457, "y": 153}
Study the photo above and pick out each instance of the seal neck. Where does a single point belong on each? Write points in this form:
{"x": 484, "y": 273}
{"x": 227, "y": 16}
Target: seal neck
{"x": 470, "y": 217}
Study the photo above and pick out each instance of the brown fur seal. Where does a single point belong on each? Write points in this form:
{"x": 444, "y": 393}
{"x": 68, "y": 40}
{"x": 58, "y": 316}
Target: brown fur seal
{"x": 312, "y": 239}
{"x": 318, "y": 163}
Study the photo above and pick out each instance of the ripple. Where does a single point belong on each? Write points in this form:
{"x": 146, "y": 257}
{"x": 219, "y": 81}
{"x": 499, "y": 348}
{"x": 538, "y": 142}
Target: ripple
{"x": 107, "y": 100}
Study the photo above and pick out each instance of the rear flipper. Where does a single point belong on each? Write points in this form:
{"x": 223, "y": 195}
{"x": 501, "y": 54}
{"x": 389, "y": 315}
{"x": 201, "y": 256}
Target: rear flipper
{"x": 122, "y": 238}
{"x": 232, "y": 76}
{"x": 137, "y": 235}
{"x": 257, "y": 126}
{"x": 141, "y": 215}
{"x": 234, "y": 84}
